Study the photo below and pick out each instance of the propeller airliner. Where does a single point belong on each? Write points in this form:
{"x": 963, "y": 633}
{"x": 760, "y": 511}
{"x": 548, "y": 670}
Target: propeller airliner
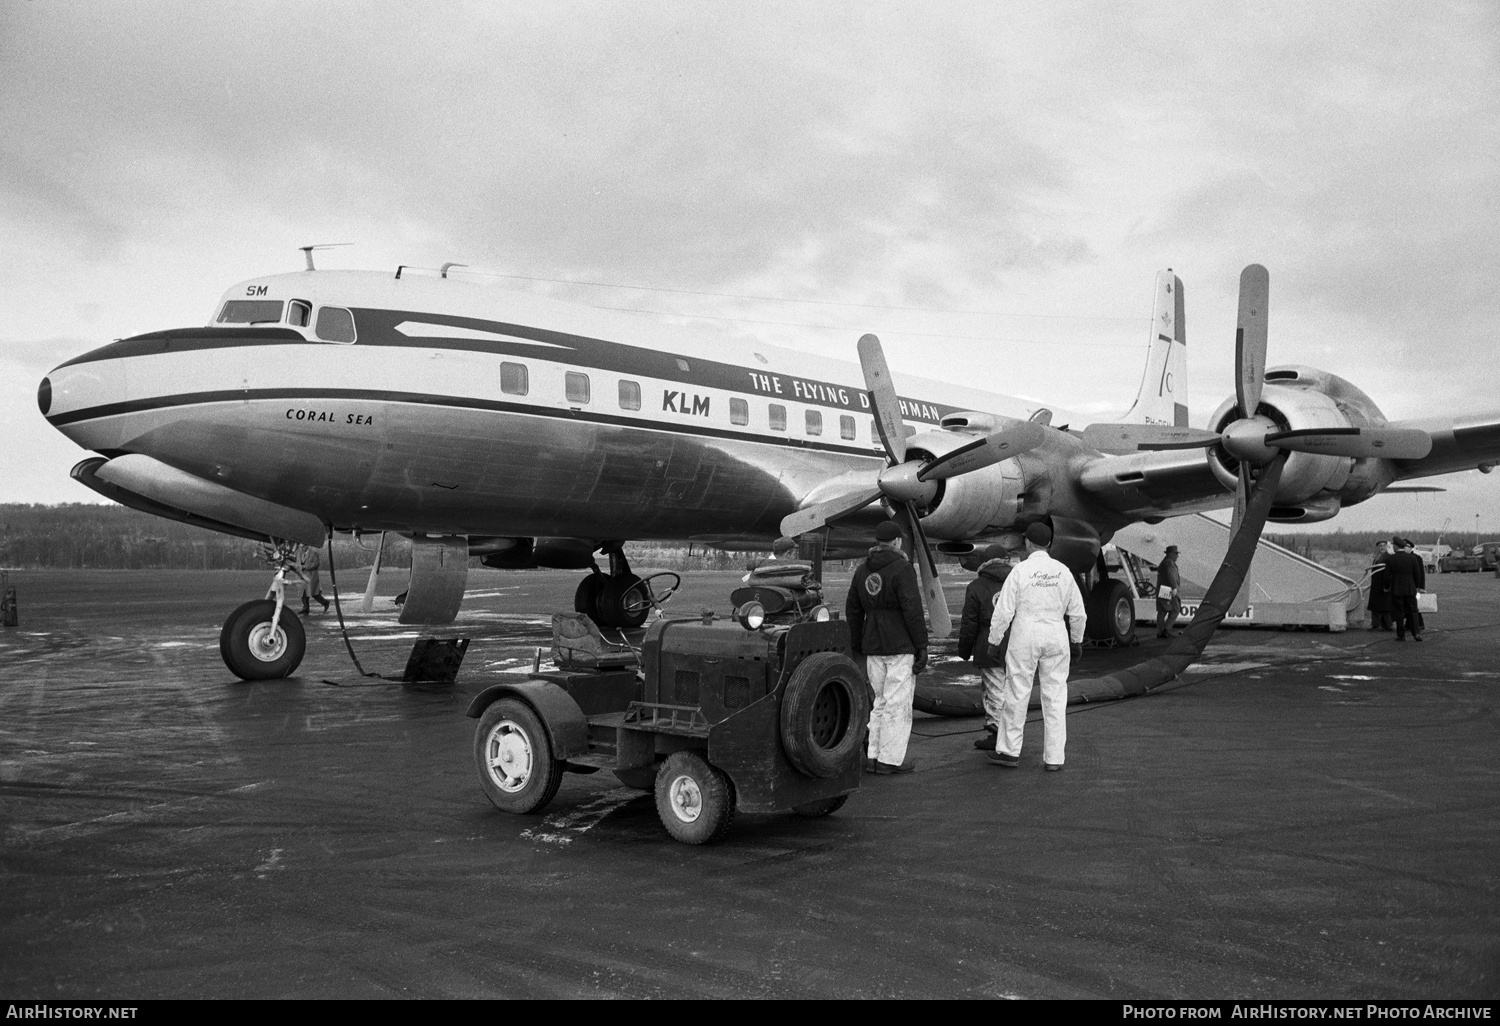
{"x": 529, "y": 432}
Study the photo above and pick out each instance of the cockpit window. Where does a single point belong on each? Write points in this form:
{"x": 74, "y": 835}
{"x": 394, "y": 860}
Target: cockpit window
{"x": 335, "y": 324}
{"x": 298, "y": 313}
{"x": 251, "y": 311}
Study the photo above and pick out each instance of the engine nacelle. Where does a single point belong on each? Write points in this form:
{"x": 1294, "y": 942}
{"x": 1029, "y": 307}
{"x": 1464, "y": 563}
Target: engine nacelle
{"x": 1075, "y": 544}
{"x": 1298, "y": 398}
{"x": 980, "y": 502}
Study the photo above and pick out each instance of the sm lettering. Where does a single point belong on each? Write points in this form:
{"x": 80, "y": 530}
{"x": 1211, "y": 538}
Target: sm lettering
{"x": 681, "y": 402}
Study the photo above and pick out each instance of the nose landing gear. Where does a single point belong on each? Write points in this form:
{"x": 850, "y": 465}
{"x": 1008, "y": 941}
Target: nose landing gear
{"x": 264, "y": 640}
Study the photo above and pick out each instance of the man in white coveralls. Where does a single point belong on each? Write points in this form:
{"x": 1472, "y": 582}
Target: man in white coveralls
{"x": 1032, "y": 605}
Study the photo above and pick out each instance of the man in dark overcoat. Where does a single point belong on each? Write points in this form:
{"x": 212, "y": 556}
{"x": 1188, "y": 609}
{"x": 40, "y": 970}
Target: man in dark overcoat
{"x": 973, "y": 640}
{"x": 1407, "y": 576}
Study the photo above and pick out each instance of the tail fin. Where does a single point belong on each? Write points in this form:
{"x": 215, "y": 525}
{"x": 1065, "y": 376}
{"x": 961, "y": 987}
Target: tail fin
{"x": 1162, "y": 398}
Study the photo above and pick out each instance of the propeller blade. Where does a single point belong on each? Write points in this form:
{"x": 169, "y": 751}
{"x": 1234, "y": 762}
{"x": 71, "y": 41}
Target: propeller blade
{"x": 1042, "y": 417}
{"x": 1356, "y": 443}
{"x": 1250, "y": 339}
{"x": 882, "y": 390}
{"x": 940, "y": 623}
{"x": 812, "y": 518}
{"x": 1134, "y": 437}
{"x": 1022, "y": 436}
{"x": 1242, "y": 493}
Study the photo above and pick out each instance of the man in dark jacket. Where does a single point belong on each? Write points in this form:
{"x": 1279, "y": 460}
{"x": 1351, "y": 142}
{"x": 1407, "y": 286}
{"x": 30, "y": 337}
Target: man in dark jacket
{"x": 1168, "y": 594}
{"x": 1407, "y": 576}
{"x": 887, "y": 629}
{"x": 973, "y": 639}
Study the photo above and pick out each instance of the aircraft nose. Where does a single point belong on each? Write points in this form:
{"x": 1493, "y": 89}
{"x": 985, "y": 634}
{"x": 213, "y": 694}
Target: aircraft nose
{"x": 44, "y": 395}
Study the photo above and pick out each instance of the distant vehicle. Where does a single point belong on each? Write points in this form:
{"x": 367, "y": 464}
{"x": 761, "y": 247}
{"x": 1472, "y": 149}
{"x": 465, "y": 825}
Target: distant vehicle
{"x": 1489, "y": 555}
{"x": 1484, "y": 556}
{"x": 1431, "y": 554}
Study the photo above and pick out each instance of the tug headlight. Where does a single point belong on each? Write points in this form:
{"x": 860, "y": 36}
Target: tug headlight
{"x": 750, "y": 616}
{"x": 820, "y": 614}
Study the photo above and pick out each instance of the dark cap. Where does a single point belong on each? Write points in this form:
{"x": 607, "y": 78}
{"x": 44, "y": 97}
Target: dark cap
{"x": 887, "y": 531}
{"x": 1039, "y": 534}
{"x": 1171, "y": 548}
{"x": 1396, "y": 540}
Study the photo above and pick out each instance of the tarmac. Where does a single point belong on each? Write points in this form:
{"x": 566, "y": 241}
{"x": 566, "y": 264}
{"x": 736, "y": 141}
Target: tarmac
{"x": 1301, "y": 815}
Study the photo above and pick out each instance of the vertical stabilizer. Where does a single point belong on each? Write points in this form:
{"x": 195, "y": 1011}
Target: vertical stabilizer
{"x": 1163, "y": 395}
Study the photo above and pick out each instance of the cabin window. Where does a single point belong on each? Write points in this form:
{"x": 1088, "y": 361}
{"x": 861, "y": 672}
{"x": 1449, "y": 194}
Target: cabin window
{"x": 814, "y": 422}
{"x": 846, "y": 428}
{"x": 739, "y": 411}
{"x": 335, "y": 324}
{"x": 299, "y": 313}
{"x": 682, "y": 365}
{"x": 576, "y": 387}
{"x": 513, "y": 379}
{"x": 778, "y": 417}
{"x": 630, "y": 395}
{"x": 251, "y": 311}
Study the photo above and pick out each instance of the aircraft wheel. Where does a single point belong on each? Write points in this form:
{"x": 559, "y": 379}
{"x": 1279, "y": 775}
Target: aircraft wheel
{"x": 256, "y": 649}
{"x": 694, "y": 800}
{"x": 622, "y": 602}
{"x": 1111, "y": 613}
{"x": 586, "y": 598}
{"x": 819, "y": 809}
{"x": 824, "y": 714}
{"x": 514, "y": 758}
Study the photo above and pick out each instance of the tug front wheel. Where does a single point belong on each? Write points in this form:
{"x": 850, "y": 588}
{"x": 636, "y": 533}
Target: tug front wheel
{"x": 694, "y": 800}
{"x": 254, "y": 648}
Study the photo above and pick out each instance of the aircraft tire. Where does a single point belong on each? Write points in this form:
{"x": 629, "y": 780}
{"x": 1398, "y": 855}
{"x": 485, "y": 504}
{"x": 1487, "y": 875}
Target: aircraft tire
{"x": 824, "y": 714}
{"x": 586, "y": 598}
{"x": 1111, "y": 613}
{"x": 255, "y": 650}
{"x": 514, "y": 758}
{"x": 622, "y": 602}
{"x": 821, "y": 808}
{"x": 694, "y": 800}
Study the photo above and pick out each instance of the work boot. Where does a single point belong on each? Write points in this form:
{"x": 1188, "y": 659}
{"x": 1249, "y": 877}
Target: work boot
{"x": 869, "y": 765}
{"x": 1001, "y": 759}
{"x": 987, "y": 743}
{"x": 1052, "y": 767}
{"x": 324, "y": 601}
{"x": 886, "y": 769}
{"x": 305, "y": 608}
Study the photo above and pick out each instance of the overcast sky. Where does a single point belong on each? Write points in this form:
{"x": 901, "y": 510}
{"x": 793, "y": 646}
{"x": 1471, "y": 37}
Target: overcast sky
{"x": 1007, "y": 176}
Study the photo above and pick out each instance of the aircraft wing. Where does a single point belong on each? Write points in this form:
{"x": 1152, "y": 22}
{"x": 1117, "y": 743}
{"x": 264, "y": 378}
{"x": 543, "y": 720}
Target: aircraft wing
{"x": 1151, "y": 484}
{"x": 1458, "y": 443}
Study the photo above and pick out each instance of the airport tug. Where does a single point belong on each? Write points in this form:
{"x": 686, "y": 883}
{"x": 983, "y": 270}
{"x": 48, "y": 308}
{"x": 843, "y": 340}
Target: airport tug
{"x": 764, "y": 712}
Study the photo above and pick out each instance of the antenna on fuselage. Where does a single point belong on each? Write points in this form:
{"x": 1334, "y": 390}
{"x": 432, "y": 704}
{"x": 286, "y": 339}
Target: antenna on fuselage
{"x": 444, "y": 270}
{"x": 307, "y": 251}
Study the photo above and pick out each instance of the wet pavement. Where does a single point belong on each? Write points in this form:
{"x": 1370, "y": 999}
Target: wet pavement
{"x": 1302, "y": 815}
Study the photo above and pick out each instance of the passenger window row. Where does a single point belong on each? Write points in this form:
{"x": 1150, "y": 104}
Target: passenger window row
{"x": 576, "y": 388}
{"x": 336, "y": 324}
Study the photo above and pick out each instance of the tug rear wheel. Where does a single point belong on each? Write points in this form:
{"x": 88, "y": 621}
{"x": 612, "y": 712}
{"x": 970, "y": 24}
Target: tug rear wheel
{"x": 514, "y": 758}
{"x": 256, "y": 649}
{"x": 694, "y": 800}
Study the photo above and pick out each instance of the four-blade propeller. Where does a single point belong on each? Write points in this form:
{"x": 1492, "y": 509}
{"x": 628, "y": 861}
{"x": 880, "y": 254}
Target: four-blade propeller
{"x": 904, "y": 483}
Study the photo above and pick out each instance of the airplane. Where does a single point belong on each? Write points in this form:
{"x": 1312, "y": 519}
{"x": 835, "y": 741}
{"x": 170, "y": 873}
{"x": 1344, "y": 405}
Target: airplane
{"x": 529, "y": 432}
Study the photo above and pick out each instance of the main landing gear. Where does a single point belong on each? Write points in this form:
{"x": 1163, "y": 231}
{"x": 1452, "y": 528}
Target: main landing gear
{"x": 263, "y": 639}
{"x": 620, "y": 598}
